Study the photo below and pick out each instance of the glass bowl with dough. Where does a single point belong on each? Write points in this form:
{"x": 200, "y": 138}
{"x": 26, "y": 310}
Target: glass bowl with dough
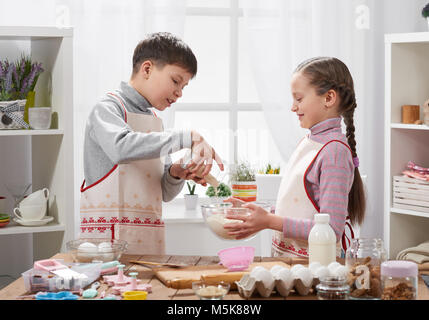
{"x": 215, "y": 218}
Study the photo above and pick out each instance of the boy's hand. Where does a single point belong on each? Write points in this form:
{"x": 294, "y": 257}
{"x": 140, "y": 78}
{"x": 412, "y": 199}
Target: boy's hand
{"x": 202, "y": 155}
{"x": 176, "y": 171}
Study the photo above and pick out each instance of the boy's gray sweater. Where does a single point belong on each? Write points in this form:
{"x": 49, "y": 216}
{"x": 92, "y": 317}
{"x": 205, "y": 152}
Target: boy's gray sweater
{"x": 109, "y": 140}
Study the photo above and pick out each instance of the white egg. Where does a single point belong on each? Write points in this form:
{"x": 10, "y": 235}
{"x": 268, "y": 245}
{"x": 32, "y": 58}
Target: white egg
{"x": 314, "y": 266}
{"x": 276, "y": 269}
{"x": 342, "y": 271}
{"x": 321, "y": 272}
{"x": 266, "y": 277}
{"x": 285, "y": 275}
{"x": 296, "y": 267}
{"x": 256, "y": 270}
{"x": 305, "y": 275}
{"x": 87, "y": 247}
{"x": 105, "y": 247}
{"x": 332, "y": 267}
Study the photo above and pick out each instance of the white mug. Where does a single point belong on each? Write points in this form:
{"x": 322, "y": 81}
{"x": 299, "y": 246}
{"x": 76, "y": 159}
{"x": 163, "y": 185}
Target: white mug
{"x": 36, "y": 212}
{"x": 36, "y": 198}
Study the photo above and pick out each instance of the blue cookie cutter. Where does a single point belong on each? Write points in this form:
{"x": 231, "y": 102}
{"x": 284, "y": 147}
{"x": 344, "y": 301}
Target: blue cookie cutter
{"x": 62, "y": 295}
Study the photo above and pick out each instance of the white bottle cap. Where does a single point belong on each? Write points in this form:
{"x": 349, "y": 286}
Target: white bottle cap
{"x": 321, "y": 218}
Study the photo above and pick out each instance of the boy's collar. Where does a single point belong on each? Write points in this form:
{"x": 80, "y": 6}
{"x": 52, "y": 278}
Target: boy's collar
{"x": 332, "y": 123}
{"x": 136, "y": 98}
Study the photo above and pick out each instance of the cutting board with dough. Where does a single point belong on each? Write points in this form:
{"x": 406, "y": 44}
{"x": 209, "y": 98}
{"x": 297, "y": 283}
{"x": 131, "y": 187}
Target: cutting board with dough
{"x": 182, "y": 278}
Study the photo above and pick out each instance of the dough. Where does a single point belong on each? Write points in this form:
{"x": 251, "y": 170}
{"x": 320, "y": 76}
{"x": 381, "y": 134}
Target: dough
{"x": 216, "y": 223}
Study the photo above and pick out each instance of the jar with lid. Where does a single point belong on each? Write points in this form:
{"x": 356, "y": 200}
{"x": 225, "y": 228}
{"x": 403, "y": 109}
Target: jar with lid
{"x": 363, "y": 260}
{"x": 399, "y": 280}
{"x": 333, "y": 288}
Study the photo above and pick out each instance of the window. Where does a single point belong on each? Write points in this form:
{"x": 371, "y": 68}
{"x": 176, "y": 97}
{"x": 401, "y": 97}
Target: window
{"x": 221, "y": 102}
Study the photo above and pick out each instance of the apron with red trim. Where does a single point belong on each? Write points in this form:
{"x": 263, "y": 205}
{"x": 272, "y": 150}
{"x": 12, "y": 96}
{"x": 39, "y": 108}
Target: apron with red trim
{"x": 126, "y": 203}
{"x": 294, "y": 201}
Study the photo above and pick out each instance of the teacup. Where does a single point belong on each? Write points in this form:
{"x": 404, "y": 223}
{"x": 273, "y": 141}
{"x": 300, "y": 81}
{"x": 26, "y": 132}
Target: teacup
{"x": 36, "y": 212}
{"x": 36, "y": 198}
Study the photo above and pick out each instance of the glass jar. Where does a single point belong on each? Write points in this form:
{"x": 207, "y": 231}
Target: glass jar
{"x": 333, "y": 288}
{"x": 399, "y": 280}
{"x": 363, "y": 259}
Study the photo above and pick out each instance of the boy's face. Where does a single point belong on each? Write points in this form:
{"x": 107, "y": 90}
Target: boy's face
{"x": 164, "y": 85}
{"x": 307, "y": 104}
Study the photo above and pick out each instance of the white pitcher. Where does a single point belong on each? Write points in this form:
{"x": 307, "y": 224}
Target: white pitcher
{"x": 36, "y": 198}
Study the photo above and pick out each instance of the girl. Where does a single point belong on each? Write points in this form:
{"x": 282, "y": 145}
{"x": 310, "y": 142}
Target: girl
{"x": 322, "y": 174}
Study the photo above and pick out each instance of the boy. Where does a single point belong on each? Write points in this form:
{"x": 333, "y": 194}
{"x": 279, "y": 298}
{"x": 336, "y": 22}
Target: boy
{"x": 128, "y": 171}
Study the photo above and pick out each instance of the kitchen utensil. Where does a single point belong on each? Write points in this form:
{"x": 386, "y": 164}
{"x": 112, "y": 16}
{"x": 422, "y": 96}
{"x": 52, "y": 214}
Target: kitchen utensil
{"x": 134, "y": 295}
{"x": 34, "y": 223}
{"x": 215, "y": 218}
{"x": 59, "y": 269}
{"x": 99, "y": 252}
{"x": 62, "y": 295}
{"x": 36, "y": 198}
{"x": 237, "y": 258}
{"x": 160, "y": 264}
{"x": 210, "y": 291}
{"x": 133, "y": 286}
{"x": 118, "y": 280}
{"x": 30, "y": 212}
{"x": 91, "y": 292}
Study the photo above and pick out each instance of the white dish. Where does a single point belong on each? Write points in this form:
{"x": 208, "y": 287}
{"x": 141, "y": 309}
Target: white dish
{"x": 34, "y": 223}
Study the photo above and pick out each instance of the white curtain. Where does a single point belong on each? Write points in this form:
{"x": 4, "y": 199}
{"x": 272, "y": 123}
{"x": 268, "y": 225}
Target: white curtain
{"x": 283, "y": 33}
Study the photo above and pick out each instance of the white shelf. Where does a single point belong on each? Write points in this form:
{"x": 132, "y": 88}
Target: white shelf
{"x": 52, "y": 132}
{"x": 414, "y": 37}
{"x": 17, "y": 229}
{"x": 409, "y": 212}
{"x": 409, "y": 126}
{"x": 33, "y": 32}
{"x": 406, "y": 83}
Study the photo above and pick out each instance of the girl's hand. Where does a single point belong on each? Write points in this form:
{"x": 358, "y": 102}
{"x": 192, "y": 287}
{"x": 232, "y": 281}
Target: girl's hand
{"x": 236, "y": 203}
{"x": 257, "y": 220}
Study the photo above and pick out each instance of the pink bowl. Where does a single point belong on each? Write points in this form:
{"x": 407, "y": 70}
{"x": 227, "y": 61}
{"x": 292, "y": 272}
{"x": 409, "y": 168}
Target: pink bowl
{"x": 236, "y": 258}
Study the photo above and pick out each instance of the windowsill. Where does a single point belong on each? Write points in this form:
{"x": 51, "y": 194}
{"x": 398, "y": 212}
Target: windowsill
{"x": 174, "y": 211}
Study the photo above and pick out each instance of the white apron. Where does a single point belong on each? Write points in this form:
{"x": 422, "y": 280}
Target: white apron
{"x": 126, "y": 203}
{"x": 294, "y": 201}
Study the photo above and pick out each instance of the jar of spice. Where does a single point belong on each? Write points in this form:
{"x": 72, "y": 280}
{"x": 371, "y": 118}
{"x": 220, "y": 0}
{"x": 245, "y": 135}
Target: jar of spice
{"x": 363, "y": 259}
{"x": 333, "y": 288}
{"x": 399, "y": 280}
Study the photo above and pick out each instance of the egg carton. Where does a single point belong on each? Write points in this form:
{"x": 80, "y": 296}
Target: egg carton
{"x": 299, "y": 278}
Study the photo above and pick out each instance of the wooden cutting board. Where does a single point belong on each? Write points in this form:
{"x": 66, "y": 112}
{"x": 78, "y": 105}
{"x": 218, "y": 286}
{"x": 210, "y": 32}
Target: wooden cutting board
{"x": 182, "y": 278}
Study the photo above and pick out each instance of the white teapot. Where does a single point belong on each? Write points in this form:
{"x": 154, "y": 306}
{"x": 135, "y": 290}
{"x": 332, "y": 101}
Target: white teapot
{"x": 36, "y": 198}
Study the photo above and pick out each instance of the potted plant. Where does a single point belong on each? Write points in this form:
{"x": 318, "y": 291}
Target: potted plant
{"x": 268, "y": 181}
{"x": 243, "y": 182}
{"x": 222, "y": 192}
{"x": 17, "y": 82}
{"x": 425, "y": 13}
{"x": 191, "y": 198}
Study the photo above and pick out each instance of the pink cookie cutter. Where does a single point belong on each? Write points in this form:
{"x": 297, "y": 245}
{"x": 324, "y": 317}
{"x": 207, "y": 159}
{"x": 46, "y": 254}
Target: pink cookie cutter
{"x": 133, "y": 286}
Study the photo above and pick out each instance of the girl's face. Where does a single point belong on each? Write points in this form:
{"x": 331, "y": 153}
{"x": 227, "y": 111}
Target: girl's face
{"x": 310, "y": 107}
{"x": 165, "y": 84}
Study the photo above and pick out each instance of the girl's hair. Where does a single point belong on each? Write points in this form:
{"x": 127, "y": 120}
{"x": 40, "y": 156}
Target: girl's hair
{"x": 324, "y": 74}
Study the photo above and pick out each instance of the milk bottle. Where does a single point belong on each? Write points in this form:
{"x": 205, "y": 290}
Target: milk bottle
{"x": 322, "y": 241}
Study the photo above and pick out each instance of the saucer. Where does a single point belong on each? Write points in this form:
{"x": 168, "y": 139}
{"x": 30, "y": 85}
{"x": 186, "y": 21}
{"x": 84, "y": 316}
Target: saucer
{"x": 34, "y": 223}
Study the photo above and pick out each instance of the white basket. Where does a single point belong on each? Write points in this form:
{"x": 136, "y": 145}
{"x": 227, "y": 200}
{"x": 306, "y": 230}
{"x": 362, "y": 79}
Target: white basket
{"x": 410, "y": 194}
{"x": 19, "y": 114}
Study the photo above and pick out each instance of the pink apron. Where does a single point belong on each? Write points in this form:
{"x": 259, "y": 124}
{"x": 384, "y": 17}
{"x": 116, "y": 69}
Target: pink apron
{"x": 126, "y": 203}
{"x": 294, "y": 201}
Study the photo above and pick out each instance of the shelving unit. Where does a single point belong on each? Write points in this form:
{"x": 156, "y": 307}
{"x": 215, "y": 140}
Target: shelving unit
{"x": 51, "y": 150}
{"x": 406, "y": 82}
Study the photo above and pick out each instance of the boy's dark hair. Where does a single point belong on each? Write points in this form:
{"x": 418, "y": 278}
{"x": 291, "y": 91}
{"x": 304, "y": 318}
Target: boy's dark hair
{"x": 164, "y": 48}
{"x": 326, "y": 73}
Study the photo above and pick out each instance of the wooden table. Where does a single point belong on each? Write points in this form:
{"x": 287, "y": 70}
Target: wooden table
{"x": 161, "y": 292}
